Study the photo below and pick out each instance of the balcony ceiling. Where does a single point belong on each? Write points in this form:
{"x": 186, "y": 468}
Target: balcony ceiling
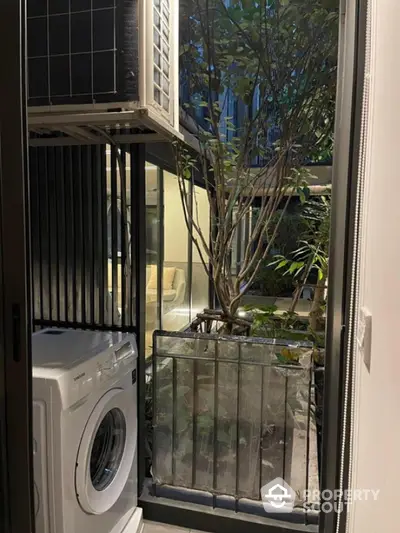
{"x": 61, "y": 128}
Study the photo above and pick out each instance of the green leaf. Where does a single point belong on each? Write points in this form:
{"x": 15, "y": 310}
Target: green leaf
{"x": 293, "y": 267}
{"x": 283, "y": 263}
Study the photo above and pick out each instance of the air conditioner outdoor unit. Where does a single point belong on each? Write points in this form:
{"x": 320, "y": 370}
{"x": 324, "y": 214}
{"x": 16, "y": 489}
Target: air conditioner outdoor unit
{"x": 103, "y": 56}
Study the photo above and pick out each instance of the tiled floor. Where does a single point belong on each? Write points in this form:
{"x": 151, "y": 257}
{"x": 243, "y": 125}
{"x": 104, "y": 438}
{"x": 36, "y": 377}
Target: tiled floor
{"x": 155, "y": 527}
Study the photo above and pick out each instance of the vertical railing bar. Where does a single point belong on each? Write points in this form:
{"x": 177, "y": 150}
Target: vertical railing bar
{"x": 190, "y": 250}
{"x": 114, "y": 235}
{"x": 32, "y": 153}
{"x": 261, "y": 428}
{"x": 238, "y": 428}
{"x": 83, "y": 177}
{"x": 194, "y": 423}
{"x": 160, "y": 257}
{"x": 133, "y": 236}
{"x": 39, "y": 196}
{"x": 125, "y": 236}
{"x": 285, "y": 429}
{"x": 215, "y": 430}
{"x": 63, "y": 289}
{"x": 48, "y": 215}
{"x": 70, "y": 240}
{"x": 308, "y": 438}
{"x": 129, "y": 229}
{"x": 124, "y": 226}
{"x": 57, "y": 228}
{"x": 155, "y": 409}
{"x": 35, "y": 241}
{"x": 93, "y": 201}
{"x": 174, "y": 417}
{"x": 87, "y": 228}
{"x": 104, "y": 235}
{"x": 79, "y": 236}
{"x": 74, "y": 175}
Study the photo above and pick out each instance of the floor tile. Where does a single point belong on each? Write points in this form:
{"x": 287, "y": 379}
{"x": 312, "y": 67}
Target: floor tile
{"x": 155, "y": 527}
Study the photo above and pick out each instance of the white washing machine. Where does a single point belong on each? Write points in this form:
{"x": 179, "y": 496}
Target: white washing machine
{"x": 85, "y": 432}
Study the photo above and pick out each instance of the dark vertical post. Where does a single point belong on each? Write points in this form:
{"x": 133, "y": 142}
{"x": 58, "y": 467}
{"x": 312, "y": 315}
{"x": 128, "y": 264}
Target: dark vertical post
{"x": 83, "y": 220}
{"x": 15, "y": 275}
{"x": 97, "y": 237}
{"x": 160, "y": 258}
{"x": 63, "y": 224}
{"x": 39, "y": 252}
{"x": 52, "y": 179}
{"x": 74, "y": 204}
{"x": 190, "y": 250}
{"x": 60, "y": 230}
{"x": 70, "y": 237}
{"x": 79, "y": 239}
{"x": 138, "y": 201}
{"x": 104, "y": 307}
{"x": 135, "y": 217}
{"x": 93, "y": 281}
{"x": 114, "y": 235}
{"x": 123, "y": 234}
{"x": 45, "y": 235}
{"x": 87, "y": 216}
{"x": 154, "y": 363}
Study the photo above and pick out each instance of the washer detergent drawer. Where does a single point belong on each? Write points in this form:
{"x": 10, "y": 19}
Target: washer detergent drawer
{"x": 40, "y": 467}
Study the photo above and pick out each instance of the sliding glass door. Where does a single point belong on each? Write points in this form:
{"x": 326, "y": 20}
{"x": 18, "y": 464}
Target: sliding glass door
{"x": 16, "y": 483}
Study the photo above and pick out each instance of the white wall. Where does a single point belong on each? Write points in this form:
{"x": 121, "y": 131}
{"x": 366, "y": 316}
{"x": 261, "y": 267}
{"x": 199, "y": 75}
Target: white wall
{"x": 175, "y": 230}
{"x": 201, "y": 216}
{"x": 200, "y": 281}
{"x": 377, "y": 440}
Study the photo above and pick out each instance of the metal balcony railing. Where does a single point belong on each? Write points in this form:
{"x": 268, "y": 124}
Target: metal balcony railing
{"x": 230, "y": 416}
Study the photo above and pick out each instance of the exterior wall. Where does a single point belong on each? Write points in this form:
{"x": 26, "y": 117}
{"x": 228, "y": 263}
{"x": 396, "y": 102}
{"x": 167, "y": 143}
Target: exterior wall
{"x": 377, "y": 439}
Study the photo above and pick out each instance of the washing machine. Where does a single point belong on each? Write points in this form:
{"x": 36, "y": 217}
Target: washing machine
{"x": 85, "y": 432}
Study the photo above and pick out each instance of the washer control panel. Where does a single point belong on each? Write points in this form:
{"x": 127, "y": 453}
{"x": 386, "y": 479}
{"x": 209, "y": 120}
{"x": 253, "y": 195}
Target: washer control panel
{"x": 86, "y": 377}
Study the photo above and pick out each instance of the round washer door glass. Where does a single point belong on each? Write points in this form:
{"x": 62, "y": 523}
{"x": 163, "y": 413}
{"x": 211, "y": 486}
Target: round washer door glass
{"x": 106, "y": 452}
{"x": 108, "y": 449}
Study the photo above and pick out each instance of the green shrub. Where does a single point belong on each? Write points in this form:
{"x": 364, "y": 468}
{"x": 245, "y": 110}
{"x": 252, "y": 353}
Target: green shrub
{"x": 270, "y": 282}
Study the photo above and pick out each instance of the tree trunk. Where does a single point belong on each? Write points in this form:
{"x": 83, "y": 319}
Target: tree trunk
{"x": 316, "y": 307}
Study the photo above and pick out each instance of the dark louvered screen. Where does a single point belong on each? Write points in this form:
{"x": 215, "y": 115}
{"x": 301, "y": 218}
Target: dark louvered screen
{"x": 82, "y": 51}
{"x": 83, "y": 239}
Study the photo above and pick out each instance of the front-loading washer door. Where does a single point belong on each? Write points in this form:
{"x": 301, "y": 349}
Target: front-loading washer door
{"x": 106, "y": 452}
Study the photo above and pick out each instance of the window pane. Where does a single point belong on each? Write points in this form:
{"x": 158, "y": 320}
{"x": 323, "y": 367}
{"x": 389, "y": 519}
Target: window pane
{"x": 153, "y": 229}
{"x": 200, "y": 286}
{"x": 175, "y": 272}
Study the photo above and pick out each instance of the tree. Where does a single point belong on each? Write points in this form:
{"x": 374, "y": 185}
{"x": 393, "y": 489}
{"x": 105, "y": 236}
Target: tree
{"x": 310, "y": 257}
{"x": 276, "y": 59}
